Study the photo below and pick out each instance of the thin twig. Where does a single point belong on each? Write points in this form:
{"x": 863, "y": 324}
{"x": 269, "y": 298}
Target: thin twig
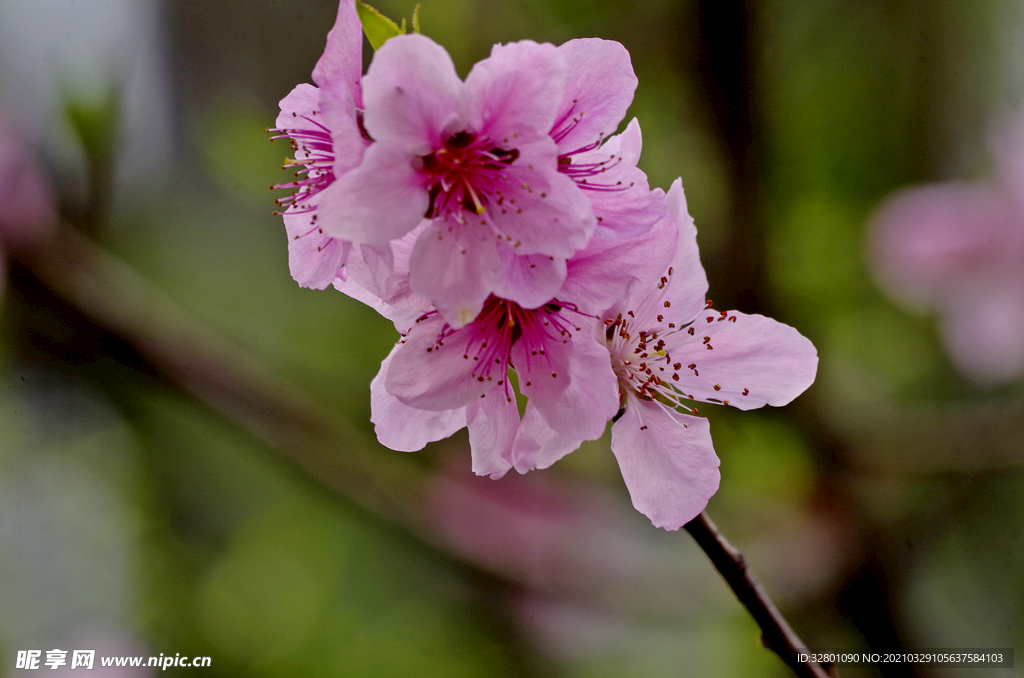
{"x": 777, "y": 635}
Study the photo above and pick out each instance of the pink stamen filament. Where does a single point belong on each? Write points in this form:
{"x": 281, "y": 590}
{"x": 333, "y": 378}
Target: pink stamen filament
{"x": 642, "y": 359}
{"x": 314, "y": 153}
{"x": 464, "y": 176}
{"x": 565, "y": 124}
{"x": 581, "y": 172}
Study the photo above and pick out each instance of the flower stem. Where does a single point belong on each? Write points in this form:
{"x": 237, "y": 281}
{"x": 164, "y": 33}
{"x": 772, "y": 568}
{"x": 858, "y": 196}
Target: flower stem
{"x": 776, "y": 634}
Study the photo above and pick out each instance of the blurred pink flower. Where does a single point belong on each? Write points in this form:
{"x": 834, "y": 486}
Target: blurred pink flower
{"x": 669, "y": 348}
{"x": 540, "y": 530}
{"x": 957, "y": 249}
{"x": 26, "y": 206}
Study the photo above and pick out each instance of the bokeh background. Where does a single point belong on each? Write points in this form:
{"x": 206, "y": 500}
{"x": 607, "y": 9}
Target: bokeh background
{"x": 186, "y": 460}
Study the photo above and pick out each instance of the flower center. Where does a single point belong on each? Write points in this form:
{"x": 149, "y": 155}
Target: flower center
{"x": 465, "y": 175}
{"x": 314, "y": 154}
{"x": 501, "y": 324}
{"x": 642, "y": 359}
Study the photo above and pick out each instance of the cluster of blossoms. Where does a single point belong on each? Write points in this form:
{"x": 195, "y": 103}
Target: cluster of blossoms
{"x": 520, "y": 252}
{"x": 958, "y": 248}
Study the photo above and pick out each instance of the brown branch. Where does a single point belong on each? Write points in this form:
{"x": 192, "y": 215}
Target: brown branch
{"x": 211, "y": 369}
{"x": 777, "y": 635}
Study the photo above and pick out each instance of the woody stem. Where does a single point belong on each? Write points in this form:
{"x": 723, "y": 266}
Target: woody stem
{"x": 777, "y": 635}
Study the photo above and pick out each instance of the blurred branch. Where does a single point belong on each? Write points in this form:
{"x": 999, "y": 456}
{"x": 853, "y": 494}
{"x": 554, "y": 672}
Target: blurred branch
{"x": 97, "y": 125}
{"x": 961, "y": 437}
{"x": 777, "y": 635}
{"x": 331, "y": 452}
{"x": 727, "y": 63}
{"x": 334, "y": 454}
{"x": 111, "y": 295}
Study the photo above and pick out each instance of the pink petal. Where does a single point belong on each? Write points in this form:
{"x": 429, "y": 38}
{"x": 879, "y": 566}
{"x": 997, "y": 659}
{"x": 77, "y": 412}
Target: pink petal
{"x": 688, "y": 285}
{"x": 455, "y": 269}
{"x": 529, "y": 281}
{"x": 667, "y": 461}
{"x": 331, "y": 109}
{"x": 620, "y": 196}
{"x": 301, "y": 101}
{"x": 515, "y": 91}
{"x": 572, "y": 385}
{"x": 543, "y": 211}
{"x": 374, "y": 268}
{"x": 629, "y": 213}
{"x": 755, "y": 361}
{"x": 313, "y": 256}
{"x": 343, "y": 57}
{"x": 626, "y": 145}
{"x": 385, "y": 271}
{"x": 537, "y": 445}
{"x": 339, "y": 115}
{"x": 493, "y": 420}
{"x": 600, "y": 275}
{"x": 388, "y": 295}
{"x": 352, "y": 208}
{"x": 327, "y": 109}
{"x": 429, "y": 376}
{"x": 599, "y": 91}
{"x": 404, "y": 428}
{"x": 412, "y": 95}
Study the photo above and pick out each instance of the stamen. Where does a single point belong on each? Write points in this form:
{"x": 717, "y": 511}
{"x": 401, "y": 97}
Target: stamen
{"x": 314, "y": 153}
{"x": 465, "y": 176}
{"x": 502, "y": 323}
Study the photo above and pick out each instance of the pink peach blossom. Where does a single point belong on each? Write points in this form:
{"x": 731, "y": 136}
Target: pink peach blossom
{"x": 474, "y": 158}
{"x": 669, "y": 350}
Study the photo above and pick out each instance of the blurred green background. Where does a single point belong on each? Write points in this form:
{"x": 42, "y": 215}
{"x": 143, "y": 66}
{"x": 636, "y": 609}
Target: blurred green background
{"x": 150, "y": 507}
